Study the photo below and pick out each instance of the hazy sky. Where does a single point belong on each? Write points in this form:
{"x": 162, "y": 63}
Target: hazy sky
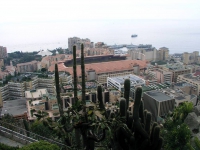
{"x": 25, "y": 18}
{"x": 52, "y": 10}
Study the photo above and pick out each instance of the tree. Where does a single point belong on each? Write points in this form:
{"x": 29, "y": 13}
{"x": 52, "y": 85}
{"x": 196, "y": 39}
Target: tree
{"x": 43, "y": 69}
{"x": 181, "y": 112}
{"x": 176, "y": 136}
{"x": 39, "y": 128}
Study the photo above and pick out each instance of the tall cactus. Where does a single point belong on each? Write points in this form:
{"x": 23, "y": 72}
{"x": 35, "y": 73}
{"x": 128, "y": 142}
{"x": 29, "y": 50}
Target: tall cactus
{"x": 144, "y": 137}
{"x": 59, "y": 101}
{"x": 75, "y": 74}
{"x": 100, "y": 98}
{"x": 127, "y": 86}
{"x": 83, "y": 73}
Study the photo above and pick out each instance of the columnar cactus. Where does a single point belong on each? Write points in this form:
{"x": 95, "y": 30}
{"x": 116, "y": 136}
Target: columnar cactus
{"x": 59, "y": 101}
{"x": 75, "y": 74}
{"x": 127, "y": 86}
{"x": 100, "y": 99}
{"x": 144, "y": 137}
{"x": 83, "y": 73}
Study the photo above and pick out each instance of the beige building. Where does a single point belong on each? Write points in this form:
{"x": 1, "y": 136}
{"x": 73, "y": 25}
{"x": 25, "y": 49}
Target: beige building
{"x": 163, "y": 76}
{"x": 77, "y": 41}
{"x": 97, "y": 51}
{"x": 3, "y": 52}
{"x": 189, "y": 58}
{"x": 180, "y": 97}
{"x": 16, "y": 90}
{"x": 50, "y": 60}
{"x": 144, "y": 52}
{"x": 4, "y": 94}
{"x": 27, "y": 67}
{"x": 1, "y": 63}
{"x": 163, "y": 54}
{"x": 191, "y": 79}
{"x": 176, "y": 69}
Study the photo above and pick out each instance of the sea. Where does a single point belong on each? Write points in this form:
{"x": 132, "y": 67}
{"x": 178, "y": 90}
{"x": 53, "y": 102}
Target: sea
{"x": 177, "y": 35}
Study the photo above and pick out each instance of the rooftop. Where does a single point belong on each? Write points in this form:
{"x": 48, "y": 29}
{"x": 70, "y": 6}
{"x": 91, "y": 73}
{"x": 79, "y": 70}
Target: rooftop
{"x": 35, "y": 93}
{"x": 133, "y": 78}
{"x": 103, "y": 67}
{"x": 28, "y": 63}
{"x": 14, "y": 107}
{"x": 190, "y": 77}
{"x": 158, "y": 95}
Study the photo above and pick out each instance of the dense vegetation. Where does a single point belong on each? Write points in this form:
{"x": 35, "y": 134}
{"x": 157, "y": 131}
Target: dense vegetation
{"x": 41, "y": 145}
{"x": 177, "y": 135}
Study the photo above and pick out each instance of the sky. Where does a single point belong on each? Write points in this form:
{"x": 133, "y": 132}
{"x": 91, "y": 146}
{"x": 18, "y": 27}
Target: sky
{"x": 28, "y": 19}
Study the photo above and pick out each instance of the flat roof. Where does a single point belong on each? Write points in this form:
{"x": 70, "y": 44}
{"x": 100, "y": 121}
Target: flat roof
{"x": 133, "y": 79}
{"x": 158, "y": 96}
{"x": 14, "y": 107}
{"x": 35, "y": 93}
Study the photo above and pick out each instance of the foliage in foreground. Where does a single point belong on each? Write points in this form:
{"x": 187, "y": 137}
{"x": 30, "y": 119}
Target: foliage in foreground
{"x": 41, "y": 145}
{"x": 176, "y": 134}
{"x": 6, "y": 147}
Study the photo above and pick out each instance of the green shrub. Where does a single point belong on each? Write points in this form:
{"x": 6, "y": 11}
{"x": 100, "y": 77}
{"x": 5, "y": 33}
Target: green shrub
{"x": 6, "y": 147}
{"x": 41, "y": 145}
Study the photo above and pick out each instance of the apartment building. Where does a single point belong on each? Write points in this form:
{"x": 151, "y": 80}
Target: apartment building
{"x": 191, "y": 79}
{"x": 189, "y": 58}
{"x": 78, "y": 41}
{"x": 144, "y": 52}
{"x": 47, "y": 83}
{"x": 27, "y": 67}
{"x": 176, "y": 69}
{"x": 118, "y": 82}
{"x": 97, "y": 51}
{"x": 158, "y": 103}
{"x": 16, "y": 90}
{"x": 51, "y": 60}
{"x": 163, "y": 54}
{"x": 3, "y": 52}
{"x": 4, "y": 94}
{"x": 100, "y": 71}
{"x": 186, "y": 87}
{"x": 162, "y": 76}
{"x": 180, "y": 96}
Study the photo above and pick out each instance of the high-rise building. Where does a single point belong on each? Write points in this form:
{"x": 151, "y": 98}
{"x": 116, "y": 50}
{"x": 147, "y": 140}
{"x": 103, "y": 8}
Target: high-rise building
{"x": 163, "y": 53}
{"x": 189, "y": 58}
{"x": 3, "y": 52}
{"x": 78, "y": 41}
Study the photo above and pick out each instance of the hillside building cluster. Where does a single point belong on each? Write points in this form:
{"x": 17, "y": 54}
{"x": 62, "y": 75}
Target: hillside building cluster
{"x": 165, "y": 86}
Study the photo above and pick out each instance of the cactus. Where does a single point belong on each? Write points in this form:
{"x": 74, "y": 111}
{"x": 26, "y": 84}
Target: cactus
{"x": 59, "y": 101}
{"x": 83, "y": 73}
{"x": 127, "y": 86}
{"x": 144, "y": 136}
{"x": 100, "y": 99}
{"x": 75, "y": 74}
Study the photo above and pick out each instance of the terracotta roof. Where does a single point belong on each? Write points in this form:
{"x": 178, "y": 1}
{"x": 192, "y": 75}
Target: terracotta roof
{"x": 103, "y": 67}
